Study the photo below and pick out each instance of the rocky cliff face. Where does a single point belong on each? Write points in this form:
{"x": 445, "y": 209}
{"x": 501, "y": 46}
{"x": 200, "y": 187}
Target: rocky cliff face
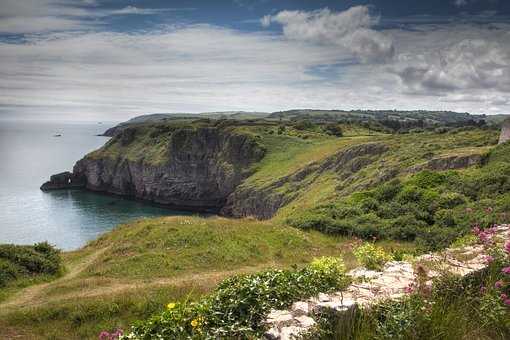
{"x": 450, "y": 163}
{"x": 264, "y": 202}
{"x": 202, "y": 168}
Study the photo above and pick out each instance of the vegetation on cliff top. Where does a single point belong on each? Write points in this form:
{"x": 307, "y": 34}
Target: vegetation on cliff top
{"x": 434, "y": 208}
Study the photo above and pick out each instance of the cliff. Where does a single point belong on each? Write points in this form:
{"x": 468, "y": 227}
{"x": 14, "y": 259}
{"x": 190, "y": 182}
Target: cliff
{"x": 193, "y": 168}
{"x": 260, "y": 168}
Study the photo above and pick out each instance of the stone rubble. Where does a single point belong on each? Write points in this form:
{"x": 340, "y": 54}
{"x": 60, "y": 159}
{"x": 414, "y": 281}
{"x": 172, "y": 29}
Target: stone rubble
{"x": 371, "y": 287}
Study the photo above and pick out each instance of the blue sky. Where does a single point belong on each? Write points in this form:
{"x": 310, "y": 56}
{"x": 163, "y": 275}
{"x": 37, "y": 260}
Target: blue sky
{"x": 114, "y": 59}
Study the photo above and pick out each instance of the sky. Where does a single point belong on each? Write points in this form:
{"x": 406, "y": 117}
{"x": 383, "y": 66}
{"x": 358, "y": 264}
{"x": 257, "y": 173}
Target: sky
{"x": 114, "y": 59}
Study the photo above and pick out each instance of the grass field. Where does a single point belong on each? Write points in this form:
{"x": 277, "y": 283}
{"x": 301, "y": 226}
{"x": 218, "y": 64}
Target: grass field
{"x": 135, "y": 270}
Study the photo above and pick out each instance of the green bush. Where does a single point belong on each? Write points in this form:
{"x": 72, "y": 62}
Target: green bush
{"x": 406, "y": 228}
{"x": 371, "y": 256}
{"x": 238, "y": 306}
{"x": 428, "y": 179}
{"x": 436, "y": 238}
{"x": 388, "y": 191}
{"x": 445, "y": 218}
{"x": 17, "y": 261}
{"x": 333, "y": 130}
{"x": 8, "y": 272}
{"x": 304, "y": 125}
{"x": 451, "y": 200}
{"x": 409, "y": 194}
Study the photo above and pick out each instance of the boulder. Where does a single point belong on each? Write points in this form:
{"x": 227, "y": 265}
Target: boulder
{"x": 64, "y": 180}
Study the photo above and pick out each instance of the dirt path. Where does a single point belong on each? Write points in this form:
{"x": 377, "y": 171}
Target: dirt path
{"x": 34, "y": 296}
{"x": 25, "y": 296}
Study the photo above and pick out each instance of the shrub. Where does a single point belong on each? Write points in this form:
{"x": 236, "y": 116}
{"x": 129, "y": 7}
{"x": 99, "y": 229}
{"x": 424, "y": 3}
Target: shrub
{"x": 405, "y": 228}
{"x": 388, "y": 191}
{"x": 333, "y": 130}
{"x": 436, "y": 238}
{"x": 409, "y": 194}
{"x": 239, "y": 304}
{"x": 444, "y": 218}
{"x": 371, "y": 256}
{"x": 450, "y": 200}
{"x": 428, "y": 179}
{"x": 16, "y": 261}
{"x": 304, "y": 125}
{"x": 8, "y": 272}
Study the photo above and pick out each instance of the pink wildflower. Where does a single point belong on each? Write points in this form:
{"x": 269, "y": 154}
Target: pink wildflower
{"x": 483, "y": 289}
{"x": 488, "y": 210}
{"x": 507, "y": 302}
{"x": 489, "y": 258}
{"x": 506, "y": 270}
{"x": 409, "y": 289}
{"x": 503, "y": 296}
{"x": 104, "y": 335}
{"x": 507, "y": 247}
{"x": 498, "y": 284}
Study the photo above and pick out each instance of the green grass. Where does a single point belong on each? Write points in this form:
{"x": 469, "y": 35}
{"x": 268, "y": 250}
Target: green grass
{"x": 136, "y": 269}
{"x": 173, "y": 246}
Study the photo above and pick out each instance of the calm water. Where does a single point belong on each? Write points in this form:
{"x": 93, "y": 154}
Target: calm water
{"x": 29, "y": 154}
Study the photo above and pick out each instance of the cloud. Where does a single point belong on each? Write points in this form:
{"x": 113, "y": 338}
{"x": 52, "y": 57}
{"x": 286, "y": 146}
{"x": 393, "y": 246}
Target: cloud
{"x": 43, "y": 16}
{"x": 132, "y": 10}
{"x": 195, "y": 68}
{"x": 460, "y": 3}
{"x": 467, "y": 64}
{"x": 350, "y": 30}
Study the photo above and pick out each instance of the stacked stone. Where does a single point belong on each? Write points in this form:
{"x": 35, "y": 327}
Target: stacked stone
{"x": 371, "y": 287}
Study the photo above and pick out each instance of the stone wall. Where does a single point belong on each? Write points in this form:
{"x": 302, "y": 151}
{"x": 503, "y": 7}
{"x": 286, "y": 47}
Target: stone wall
{"x": 392, "y": 283}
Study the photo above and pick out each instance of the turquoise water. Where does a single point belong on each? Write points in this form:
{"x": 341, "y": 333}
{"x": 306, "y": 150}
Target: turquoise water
{"x": 29, "y": 154}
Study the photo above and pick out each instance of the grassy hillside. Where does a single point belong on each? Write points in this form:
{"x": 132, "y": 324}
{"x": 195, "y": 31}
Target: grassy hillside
{"x": 432, "y": 207}
{"x": 135, "y": 270}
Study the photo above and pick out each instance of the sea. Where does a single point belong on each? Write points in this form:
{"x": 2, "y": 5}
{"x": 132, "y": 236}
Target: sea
{"x": 30, "y": 152}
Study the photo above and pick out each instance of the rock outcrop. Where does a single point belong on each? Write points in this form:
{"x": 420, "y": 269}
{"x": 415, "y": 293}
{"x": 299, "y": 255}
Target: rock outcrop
{"x": 505, "y": 132}
{"x": 64, "y": 180}
{"x": 263, "y": 202}
{"x": 201, "y": 168}
{"x": 450, "y": 163}
{"x": 371, "y": 287}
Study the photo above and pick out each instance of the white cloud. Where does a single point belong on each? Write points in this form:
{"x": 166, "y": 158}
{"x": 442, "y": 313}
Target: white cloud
{"x": 460, "y": 3}
{"x": 43, "y": 16}
{"x": 458, "y": 59}
{"x": 350, "y": 30}
{"x": 132, "y": 10}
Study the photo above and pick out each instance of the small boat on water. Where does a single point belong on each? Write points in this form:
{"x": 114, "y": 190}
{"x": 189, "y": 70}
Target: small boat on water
{"x": 57, "y": 135}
